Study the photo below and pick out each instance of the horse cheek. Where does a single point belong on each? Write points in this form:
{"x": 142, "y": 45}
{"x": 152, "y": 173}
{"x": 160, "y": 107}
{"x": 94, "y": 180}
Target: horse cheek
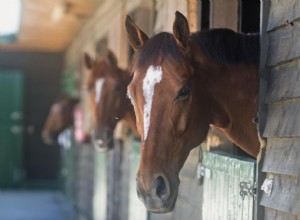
{"x": 181, "y": 124}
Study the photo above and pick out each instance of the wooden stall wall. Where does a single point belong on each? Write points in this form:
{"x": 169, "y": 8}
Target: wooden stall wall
{"x": 280, "y": 110}
{"x": 42, "y": 87}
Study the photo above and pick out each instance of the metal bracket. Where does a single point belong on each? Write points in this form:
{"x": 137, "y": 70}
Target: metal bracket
{"x": 246, "y": 189}
{"x": 267, "y": 186}
{"x": 203, "y": 171}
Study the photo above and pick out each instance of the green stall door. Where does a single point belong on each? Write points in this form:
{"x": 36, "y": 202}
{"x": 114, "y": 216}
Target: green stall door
{"x": 100, "y": 186}
{"x": 11, "y": 128}
{"x": 228, "y": 187}
{"x": 137, "y": 210}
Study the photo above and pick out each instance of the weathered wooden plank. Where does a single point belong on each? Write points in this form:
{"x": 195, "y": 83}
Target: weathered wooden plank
{"x": 137, "y": 210}
{"x": 282, "y": 156}
{"x": 284, "y": 44}
{"x": 100, "y": 186}
{"x": 221, "y": 189}
{"x": 283, "y": 12}
{"x": 283, "y": 119}
{"x": 285, "y": 195}
{"x": 284, "y": 82}
{"x": 272, "y": 214}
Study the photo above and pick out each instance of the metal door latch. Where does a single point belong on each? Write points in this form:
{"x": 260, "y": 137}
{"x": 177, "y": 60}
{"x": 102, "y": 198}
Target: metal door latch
{"x": 203, "y": 171}
{"x": 246, "y": 189}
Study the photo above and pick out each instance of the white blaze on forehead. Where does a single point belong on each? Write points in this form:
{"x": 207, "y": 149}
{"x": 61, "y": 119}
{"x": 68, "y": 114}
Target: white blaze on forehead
{"x": 98, "y": 89}
{"x": 153, "y": 76}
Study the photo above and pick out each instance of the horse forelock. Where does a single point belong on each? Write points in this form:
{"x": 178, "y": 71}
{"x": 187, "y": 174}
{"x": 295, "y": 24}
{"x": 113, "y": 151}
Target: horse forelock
{"x": 159, "y": 49}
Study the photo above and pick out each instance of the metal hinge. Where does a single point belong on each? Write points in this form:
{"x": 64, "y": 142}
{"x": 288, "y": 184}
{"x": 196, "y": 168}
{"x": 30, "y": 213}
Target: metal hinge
{"x": 202, "y": 172}
{"x": 247, "y": 189}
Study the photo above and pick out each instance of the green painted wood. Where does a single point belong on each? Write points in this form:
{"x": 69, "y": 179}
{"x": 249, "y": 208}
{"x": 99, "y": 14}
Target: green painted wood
{"x": 69, "y": 82}
{"x": 100, "y": 186}
{"x": 68, "y": 165}
{"x": 11, "y": 128}
{"x": 221, "y": 188}
{"x": 137, "y": 210}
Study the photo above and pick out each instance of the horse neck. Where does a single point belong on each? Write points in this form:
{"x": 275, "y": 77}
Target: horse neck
{"x": 233, "y": 92}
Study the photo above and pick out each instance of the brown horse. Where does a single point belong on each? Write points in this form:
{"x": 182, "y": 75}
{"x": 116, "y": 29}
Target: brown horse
{"x": 107, "y": 91}
{"x": 181, "y": 84}
{"x": 59, "y": 118}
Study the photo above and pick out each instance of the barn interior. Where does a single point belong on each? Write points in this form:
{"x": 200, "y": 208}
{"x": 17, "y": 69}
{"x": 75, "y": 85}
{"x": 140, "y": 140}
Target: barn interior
{"x": 42, "y": 61}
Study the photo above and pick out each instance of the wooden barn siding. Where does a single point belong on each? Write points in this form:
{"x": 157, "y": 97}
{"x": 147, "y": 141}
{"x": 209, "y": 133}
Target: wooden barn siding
{"x": 283, "y": 12}
{"x": 284, "y": 82}
{"x": 285, "y": 150}
{"x": 272, "y": 214}
{"x": 282, "y": 131}
{"x": 283, "y": 44}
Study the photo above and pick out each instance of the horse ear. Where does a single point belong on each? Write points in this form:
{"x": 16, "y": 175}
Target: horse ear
{"x": 137, "y": 37}
{"x": 181, "y": 30}
{"x": 88, "y": 61}
{"x": 111, "y": 58}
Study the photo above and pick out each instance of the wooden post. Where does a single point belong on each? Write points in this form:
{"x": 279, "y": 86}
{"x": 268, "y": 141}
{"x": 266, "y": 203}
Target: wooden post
{"x": 193, "y": 14}
{"x": 117, "y": 40}
{"x": 224, "y": 13}
{"x": 260, "y": 176}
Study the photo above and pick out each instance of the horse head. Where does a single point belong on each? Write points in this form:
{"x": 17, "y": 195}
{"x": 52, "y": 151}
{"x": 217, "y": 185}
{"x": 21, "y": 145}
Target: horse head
{"x": 59, "y": 118}
{"x": 171, "y": 108}
{"x": 107, "y": 88}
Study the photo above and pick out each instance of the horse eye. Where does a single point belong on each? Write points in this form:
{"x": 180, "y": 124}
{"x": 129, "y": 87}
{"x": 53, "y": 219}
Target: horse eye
{"x": 184, "y": 92}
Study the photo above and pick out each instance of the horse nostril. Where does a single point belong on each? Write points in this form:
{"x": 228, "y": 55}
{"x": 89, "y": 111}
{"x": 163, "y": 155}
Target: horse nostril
{"x": 160, "y": 187}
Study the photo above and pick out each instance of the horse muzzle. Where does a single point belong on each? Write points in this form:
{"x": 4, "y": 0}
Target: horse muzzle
{"x": 48, "y": 138}
{"x": 156, "y": 193}
{"x": 102, "y": 141}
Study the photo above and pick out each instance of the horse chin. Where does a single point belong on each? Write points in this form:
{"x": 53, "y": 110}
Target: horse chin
{"x": 48, "y": 138}
{"x": 157, "y": 205}
{"x": 103, "y": 146}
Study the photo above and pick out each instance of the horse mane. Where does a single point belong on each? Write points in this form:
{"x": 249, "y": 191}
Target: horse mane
{"x": 228, "y": 47}
{"x": 224, "y": 46}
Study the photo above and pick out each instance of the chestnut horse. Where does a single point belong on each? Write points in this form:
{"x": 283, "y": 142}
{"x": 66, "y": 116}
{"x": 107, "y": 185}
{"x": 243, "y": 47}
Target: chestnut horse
{"x": 59, "y": 118}
{"x": 181, "y": 84}
{"x": 107, "y": 91}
